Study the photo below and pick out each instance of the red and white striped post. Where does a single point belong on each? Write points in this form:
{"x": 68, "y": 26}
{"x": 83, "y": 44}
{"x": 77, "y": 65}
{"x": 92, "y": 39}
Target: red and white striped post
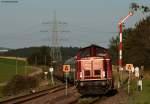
{"x": 121, "y": 38}
{"x": 121, "y": 45}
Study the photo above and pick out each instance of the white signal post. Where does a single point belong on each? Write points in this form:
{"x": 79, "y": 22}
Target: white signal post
{"x": 46, "y": 75}
{"x": 129, "y": 68}
{"x": 51, "y": 69}
{"x": 66, "y": 92}
{"x": 121, "y": 45}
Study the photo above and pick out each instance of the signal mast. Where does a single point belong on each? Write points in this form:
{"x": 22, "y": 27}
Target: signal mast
{"x": 120, "y": 35}
{"x": 133, "y": 7}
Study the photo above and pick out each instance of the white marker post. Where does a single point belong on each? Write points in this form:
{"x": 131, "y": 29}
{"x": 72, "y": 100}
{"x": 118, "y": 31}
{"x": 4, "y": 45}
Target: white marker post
{"x": 66, "y": 70}
{"x": 46, "y": 75}
{"x": 74, "y": 75}
{"x": 129, "y": 82}
{"x": 51, "y": 69}
{"x": 66, "y": 93}
{"x": 129, "y": 68}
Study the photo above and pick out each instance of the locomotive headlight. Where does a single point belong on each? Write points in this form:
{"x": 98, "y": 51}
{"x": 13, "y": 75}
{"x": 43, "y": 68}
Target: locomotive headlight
{"x": 81, "y": 84}
{"x": 103, "y": 73}
{"x": 103, "y": 83}
{"x": 81, "y": 75}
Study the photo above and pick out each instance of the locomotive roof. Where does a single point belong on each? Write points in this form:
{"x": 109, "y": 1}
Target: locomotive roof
{"x": 96, "y": 46}
{"x": 92, "y": 51}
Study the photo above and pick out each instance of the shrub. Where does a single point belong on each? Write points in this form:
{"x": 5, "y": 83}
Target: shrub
{"x": 20, "y": 83}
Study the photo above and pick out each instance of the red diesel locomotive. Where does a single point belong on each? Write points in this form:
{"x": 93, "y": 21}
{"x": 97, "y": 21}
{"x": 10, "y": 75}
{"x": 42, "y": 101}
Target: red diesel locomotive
{"x": 93, "y": 71}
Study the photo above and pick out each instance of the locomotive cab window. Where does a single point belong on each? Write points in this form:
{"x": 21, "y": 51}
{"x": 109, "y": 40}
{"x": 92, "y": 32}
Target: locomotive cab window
{"x": 97, "y": 72}
{"x": 87, "y": 73}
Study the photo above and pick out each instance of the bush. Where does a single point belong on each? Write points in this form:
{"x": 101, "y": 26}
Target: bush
{"x": 20, "y": 83}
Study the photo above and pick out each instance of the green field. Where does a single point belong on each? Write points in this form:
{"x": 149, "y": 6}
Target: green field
{"x": 142, "y": 97}
{"x": 8, "y": 68}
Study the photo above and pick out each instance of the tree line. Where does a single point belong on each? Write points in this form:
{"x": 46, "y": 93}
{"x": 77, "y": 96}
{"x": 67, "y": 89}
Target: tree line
{"x": 40, "y": 55}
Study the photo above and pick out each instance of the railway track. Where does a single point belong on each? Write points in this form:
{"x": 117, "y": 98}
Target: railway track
{"x": 28, "y": 97}
{"x": 55, "y": 95}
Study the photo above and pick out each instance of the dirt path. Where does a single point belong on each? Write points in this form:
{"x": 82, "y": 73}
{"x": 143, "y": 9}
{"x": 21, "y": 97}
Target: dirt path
{"x": 119, "y": 98}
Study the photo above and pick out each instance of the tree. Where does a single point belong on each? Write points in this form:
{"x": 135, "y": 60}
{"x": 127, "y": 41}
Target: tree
{"x": 137, "y": 46}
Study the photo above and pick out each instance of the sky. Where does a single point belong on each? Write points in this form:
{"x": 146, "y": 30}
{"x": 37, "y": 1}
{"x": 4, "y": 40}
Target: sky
{"x": 87, "y": 21}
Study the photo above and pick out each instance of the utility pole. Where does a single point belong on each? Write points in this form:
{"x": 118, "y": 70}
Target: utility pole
{"x": 55, "y": 52}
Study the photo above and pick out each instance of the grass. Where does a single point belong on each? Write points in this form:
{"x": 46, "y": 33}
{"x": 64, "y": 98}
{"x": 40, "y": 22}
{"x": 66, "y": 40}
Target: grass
{"x": 8, "y": 68}
{"x": 140, "y": 97}
{"x": 137, "y": 97}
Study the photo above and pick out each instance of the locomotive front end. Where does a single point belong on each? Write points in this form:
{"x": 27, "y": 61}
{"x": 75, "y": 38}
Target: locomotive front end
{"x": 93, "y": 71}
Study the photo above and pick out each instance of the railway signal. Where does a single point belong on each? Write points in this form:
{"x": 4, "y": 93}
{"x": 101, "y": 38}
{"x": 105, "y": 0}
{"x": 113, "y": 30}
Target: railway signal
{"x": 66, "y": 70}
{"x": 133, "y": 7}
{"x": 129, "y": 67}
{"x": 120, "y": 24}
{"x": 120, "y": 39}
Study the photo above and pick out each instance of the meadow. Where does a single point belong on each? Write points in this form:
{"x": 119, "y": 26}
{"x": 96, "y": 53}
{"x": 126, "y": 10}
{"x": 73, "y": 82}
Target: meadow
{"x": 11, "y": 67}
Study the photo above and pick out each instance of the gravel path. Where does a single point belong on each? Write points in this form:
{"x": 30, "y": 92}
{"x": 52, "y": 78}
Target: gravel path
{"x": 119, "y": 98}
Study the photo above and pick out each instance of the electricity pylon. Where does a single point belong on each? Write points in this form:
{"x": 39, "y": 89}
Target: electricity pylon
{"x": 55, "y": 51}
